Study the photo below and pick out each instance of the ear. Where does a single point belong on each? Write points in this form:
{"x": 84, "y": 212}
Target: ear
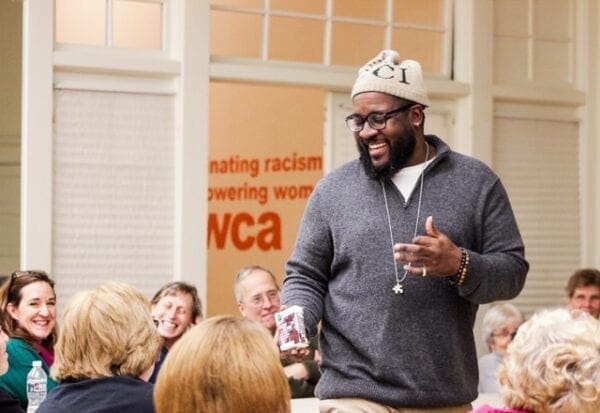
{"x": 242, "y": 310}
{"x": 13, "y": 311}
{"x": 417, "y": 117}
{"x": 568, "y": 300}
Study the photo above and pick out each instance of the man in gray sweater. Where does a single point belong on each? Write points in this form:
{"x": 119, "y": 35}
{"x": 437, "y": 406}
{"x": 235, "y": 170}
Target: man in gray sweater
{"x": 395, "y": 252}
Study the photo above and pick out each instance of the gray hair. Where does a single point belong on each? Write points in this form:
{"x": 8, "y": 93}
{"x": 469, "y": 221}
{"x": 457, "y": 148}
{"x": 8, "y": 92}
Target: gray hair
{"x": 244, "y": 273}
{"x": 498, "y": 315}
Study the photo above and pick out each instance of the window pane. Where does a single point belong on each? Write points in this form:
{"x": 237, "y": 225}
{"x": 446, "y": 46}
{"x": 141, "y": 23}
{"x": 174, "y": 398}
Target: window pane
{"x": 81, "y": 22}
{"x": 239, "y": 3}
{"x": 426, "y": 12}
{"x": 551, "y": 62}
{"x": 373, "y": 9}
{"x": 137, "y": 25}
{"x": 511, "y": 60}
{"x": 355, "y": 44}
{"x": 304, "y": 6}
{"x": 296, "y": 39}
{"x": 552, "y": 19}
{"x": 235, "y": 34}
{"x": 511, "y": 17}
{"x": 426, "y": 47}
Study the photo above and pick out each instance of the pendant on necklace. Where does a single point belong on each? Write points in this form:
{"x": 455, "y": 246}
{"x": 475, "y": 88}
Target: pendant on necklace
{"x": 398, "y": 288}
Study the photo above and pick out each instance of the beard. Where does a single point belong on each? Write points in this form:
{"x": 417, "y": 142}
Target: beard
{"x": 400, "y": 151}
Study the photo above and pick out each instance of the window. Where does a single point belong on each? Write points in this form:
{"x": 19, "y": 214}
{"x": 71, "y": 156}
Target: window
{"x": 534, "y": 42}
{"x": 136, "y": 24}
{"x": 333, "y": 32}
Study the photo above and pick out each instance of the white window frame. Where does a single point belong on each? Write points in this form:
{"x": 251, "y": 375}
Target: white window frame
{"x": 180, "y": 70}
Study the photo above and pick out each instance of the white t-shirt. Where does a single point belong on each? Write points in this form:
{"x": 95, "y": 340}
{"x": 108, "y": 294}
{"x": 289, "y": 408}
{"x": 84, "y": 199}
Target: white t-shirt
{"x": 406, "y": 178}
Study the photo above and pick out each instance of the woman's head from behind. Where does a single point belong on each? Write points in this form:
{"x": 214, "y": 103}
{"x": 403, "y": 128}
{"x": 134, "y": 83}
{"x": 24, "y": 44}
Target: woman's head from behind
{"x": 107, "y": 331}
{"x": 28, "y": 307}
{"x": 553, "y": 364}
{"x": 224, "y": 364}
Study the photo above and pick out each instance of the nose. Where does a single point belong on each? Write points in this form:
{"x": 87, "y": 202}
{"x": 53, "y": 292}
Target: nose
{"x": 44, "y": 310}
{"x": 172, "y": 313}
{"x": 367, "y": 131}
{"x": 266, "y": 302}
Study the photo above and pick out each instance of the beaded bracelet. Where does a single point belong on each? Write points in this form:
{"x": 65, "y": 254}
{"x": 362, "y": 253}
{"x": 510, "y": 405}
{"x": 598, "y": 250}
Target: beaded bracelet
{"x": 461, "y": 275}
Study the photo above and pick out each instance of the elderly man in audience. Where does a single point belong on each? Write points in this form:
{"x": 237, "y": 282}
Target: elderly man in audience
{"x": 105, "y": 353}
{"x": 499, "y": 326}
{"x": 225, "y": 364}
{"x": 175, "y": 308}
{"x": 552, "y": 365}
{"x": 258, "y": 296}
{"x": 583, "y": 291}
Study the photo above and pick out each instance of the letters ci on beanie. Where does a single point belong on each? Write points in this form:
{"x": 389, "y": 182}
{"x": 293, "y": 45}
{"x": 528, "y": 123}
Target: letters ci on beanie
{"x": 387, "y": 74}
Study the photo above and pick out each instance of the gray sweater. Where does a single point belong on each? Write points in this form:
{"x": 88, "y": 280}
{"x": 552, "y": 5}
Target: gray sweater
{"x": 414, "y": 349}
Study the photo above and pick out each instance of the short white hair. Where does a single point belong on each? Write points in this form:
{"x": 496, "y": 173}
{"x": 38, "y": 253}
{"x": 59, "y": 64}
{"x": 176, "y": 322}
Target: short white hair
{"x": 497, "y": 316}
{"x": 553, "y": 364}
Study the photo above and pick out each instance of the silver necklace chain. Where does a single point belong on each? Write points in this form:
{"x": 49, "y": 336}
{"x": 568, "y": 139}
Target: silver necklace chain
{"x": 398, "y": 288}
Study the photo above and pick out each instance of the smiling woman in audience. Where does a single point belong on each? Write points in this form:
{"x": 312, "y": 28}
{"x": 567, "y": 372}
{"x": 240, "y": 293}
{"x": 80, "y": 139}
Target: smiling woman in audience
{"x": 105, "y": 353}
{"x": 225, "y": 364}
{"x": 175, "y": 308}
{"x": 28, "y": 317}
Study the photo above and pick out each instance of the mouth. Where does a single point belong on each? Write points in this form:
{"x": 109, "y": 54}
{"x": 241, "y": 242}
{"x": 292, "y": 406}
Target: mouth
{"x": 268, "y": 316}
{"x": 41, "y": 328}
{"x": 167, "y": 325}
{"x": 377, "y": 149}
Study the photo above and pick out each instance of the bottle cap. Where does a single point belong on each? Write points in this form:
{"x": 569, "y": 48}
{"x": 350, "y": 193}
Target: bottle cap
{"x": 37, "y": 363}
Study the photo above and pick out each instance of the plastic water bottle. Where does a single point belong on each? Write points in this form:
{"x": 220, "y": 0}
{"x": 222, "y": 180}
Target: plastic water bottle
{"x": 37, "y": 385}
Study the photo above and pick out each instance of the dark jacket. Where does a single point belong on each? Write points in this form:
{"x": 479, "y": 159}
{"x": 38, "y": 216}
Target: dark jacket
{"x": 102, "y": 395}
{"x": 8, "y": 404}
{"x": 158, "y": 364}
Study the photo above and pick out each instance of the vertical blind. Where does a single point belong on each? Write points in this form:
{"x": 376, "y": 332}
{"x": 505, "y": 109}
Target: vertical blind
{"x": 113, "y": 190}
{"x": 537, "y": 160}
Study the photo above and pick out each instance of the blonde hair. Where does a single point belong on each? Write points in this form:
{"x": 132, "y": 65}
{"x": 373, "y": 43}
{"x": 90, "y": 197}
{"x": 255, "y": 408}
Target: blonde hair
{"x": 107, "y": 331}
{"x": 224, "y": 364}
{"x": 553, "y": 364}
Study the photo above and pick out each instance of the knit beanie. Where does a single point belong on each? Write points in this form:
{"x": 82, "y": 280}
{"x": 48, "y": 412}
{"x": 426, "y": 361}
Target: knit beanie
{"x": 387, "y": 74}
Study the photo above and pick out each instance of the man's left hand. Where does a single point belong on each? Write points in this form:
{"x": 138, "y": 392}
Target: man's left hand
{"x": 433, "y": 254}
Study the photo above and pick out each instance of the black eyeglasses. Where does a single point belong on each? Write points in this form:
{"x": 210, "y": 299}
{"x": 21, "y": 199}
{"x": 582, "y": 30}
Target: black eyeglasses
{"x": 505, "y": 334}
{"x": 376, "y": 120}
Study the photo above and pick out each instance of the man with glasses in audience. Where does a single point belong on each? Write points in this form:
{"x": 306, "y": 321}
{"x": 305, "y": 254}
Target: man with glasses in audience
{"x": 258, "y": 297}
{"x": 395, "y": 252}
{"x": 583, "y": 291}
